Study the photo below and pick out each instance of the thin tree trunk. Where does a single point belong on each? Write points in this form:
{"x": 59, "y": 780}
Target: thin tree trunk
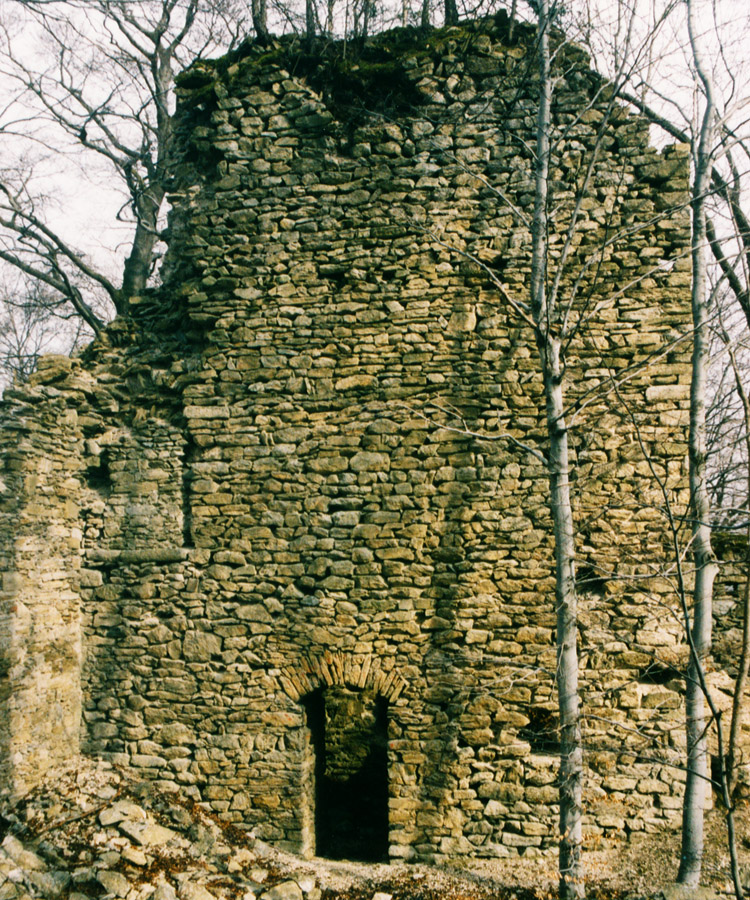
{"x": 425, "y": 15}
{"x": 740, "y": 685}
{"x": 309, "y": 20}
{"x": 698, "y": 774}
{"x": 571, "y": 756}
{"x": 571, "y": 752}
{"x": 148, "y": 191}
{"x": 729, "y": 767}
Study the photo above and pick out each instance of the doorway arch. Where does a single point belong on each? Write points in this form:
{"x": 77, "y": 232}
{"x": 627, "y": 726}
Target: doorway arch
{"x": 348, "y": 731}
{"x": 308, "y": 682}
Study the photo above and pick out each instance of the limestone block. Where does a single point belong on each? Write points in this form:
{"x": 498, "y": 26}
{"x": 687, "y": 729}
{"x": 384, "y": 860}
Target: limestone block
{"x": 176, "y": 734}
{"x": 660, "y": 699}
{"x": 285, "y": 890}
{"x": 206, "y": 412}
{"x": 190, "y": 890}
{"x": 670, "y": 392}
{"x": 113, "y": 882}
{"x": 164, "y": 891}
{"x": 200, "y": 646}
{"x": 352, "y": 382}
{"x": 495, "y": 809}
{"x": 26, "y": 859}
{"x": 145, "y": 832}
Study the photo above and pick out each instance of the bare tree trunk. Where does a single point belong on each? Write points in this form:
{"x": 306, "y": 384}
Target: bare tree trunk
{"x": 571, "y": 757}
{"x": 451, "y": 12}
{"x": 571, "y": 753}
{"x": 425, "y": 15}
{"x": 740, "y": 685}
{"x": 366, "y": 18}
{"x": 139, "y": 262}
{"x": 309, "y": 20}
{"x": 259, "y": 14}
{"x": 698, "y": 774}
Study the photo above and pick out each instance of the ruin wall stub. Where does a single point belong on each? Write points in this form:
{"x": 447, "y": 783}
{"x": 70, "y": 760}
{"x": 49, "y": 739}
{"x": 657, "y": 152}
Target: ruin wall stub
{"x": 291, "y": 473}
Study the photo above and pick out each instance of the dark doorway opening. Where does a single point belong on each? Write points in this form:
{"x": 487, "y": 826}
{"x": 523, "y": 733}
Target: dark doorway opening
{"x": 349, "y": 736}
{"x": 542, "y": 731}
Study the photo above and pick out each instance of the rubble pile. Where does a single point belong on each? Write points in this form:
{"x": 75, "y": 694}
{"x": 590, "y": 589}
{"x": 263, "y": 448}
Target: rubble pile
{"x": 93, "y": 832}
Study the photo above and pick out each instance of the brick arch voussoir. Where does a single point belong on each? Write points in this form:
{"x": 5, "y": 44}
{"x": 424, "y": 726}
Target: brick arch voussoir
{"x": 360, "y": 671}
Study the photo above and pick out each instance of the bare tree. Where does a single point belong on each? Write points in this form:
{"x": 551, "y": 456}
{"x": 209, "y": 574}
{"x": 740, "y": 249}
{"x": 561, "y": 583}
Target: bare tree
{"x": 698, "y": 772}
{"x": 26, "y": 329}
{"x": 451, "y": 12}
{"x": 729, "y": 444}
{"x": 104, "y": 93}
{"x": 556, "y": 310}
{"x": 738, "y": 371}
{"x": 549, "y": 341}
{"x": 729, "y": 462}
{"x": 259, "y": 12}
{"x": 716, "y": 191}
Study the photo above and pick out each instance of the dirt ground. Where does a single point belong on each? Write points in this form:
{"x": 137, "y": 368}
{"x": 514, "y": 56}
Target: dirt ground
{"x": 68, "y": 829}
{"x": 644, "y": 866}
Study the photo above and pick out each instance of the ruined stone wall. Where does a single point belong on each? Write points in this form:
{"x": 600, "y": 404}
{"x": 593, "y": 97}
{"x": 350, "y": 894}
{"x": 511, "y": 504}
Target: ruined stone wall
{"x": 311, "y": 460}
{"x": 40, "y": 556}
{"x": 730, "y": 600}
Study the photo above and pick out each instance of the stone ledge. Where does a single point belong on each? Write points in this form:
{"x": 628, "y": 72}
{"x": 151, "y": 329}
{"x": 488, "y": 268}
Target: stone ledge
{"x": 154, "y": 554}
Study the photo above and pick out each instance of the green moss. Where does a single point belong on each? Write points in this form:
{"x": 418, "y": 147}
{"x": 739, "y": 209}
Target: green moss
{"x": 200, "y": 75}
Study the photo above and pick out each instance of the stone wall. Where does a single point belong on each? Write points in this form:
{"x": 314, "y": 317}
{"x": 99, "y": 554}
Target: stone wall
{"x": 40, "y": 556}
{"x": 730, "y": 600}
{"x": 307, "y": 468}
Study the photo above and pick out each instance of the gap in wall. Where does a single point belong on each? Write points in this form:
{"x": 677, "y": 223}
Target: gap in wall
{"x": 349, "y": 737}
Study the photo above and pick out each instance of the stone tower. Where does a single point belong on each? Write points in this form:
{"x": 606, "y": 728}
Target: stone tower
{"x": 280, "y": 541}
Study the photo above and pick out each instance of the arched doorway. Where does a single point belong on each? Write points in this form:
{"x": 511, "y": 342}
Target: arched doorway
{"x": 349, "y": 738}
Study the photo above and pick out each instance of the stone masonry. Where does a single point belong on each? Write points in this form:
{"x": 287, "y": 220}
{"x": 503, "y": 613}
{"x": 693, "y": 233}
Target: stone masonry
{"x": 280, "y": 541}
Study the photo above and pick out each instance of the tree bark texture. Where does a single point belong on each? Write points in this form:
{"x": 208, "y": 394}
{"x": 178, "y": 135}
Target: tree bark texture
{"x": 549, "y": 346}
{"x": 697, "y": 725}
{"x": 425, "y": 15}
{"x": 571, "y": 751}
{"x": 309, "y": 20}
{"x": 140, "y": 260}
{"x": 740, "y": 685}
{"x": 260, "y": 19}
